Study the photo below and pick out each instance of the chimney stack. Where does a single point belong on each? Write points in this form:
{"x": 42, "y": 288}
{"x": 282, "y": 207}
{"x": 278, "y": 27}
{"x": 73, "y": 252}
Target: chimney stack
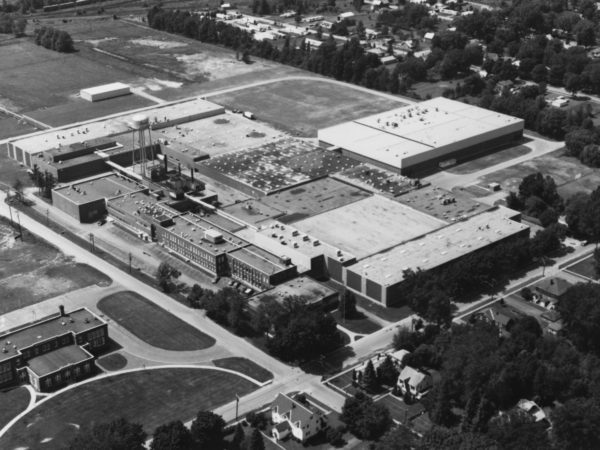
{"x": 61, "y": 308}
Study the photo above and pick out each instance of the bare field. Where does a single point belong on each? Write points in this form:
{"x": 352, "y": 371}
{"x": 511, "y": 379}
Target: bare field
{"x": 304, "y": 106}
{"x": 33, "y": 271}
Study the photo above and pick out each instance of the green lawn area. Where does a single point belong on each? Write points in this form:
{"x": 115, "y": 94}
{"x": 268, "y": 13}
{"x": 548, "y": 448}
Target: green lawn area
{"x": 12, "y": 403}
{"x": 246, "y": 367}
{"x": 114, "y": 361}
{"x": 585, "y": 268}
{"x": 490, "y": 160}
{"x": 152, "y": 324}
{"x": 150, "y": 397}
{"x": 360, "y": 325}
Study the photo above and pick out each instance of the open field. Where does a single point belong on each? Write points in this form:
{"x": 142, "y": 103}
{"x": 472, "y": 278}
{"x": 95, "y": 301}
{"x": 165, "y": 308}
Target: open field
{"x": 562, "y": 168}
{"x": 33, "y": 271}
{"x": 185, "y": 58}
{"x": 152, "y": 324}
{"x": 352, "y": 228}
{"x": 79, "y": 110}
{"x": 304, "y": 106}
{"x": 13, "y": 402}
{"x": 34, "y": 77}
{"x": 150, "y": 397}
{"x": 10, "y": 127}
{"x": 490, "y": 160}
{"x": 244, "y": 366}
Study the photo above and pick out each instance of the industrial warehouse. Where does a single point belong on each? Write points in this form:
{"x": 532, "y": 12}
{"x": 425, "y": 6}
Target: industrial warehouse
{"x": 420, "y": 138}
{"x": 241, "y": 201}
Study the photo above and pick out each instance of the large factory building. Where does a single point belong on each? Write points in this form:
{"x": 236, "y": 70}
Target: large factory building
{"x": 421, "y": 138}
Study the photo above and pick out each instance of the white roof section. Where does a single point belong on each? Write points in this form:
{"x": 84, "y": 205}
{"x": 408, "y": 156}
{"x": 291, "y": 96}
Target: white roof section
{"x": 70, "y": 134}
{"x": 392, "y": 136}
{"x": 438, "y": 247}
{"x": 111, "y": 87}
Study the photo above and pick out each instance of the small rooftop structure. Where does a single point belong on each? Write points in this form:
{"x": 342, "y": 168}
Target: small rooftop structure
{"x": 105, "y": 91}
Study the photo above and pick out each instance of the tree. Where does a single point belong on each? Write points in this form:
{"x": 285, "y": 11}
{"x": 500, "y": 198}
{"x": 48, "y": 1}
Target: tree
{"x": 348, "y": 305}
{"x": 172, "y": 436}
{"x": 387, "y": 372}
{"x": 579, "y": 308}
{"x": 119, "y": 434}
{"x": 370, "y": 377}
{"x": 255, "y": 442}
{"x": 18, "y": 187}
{"x": 398, "y": 438}
{"x": 575, "y": 425}
{"x": 19, "y": 26}
{"x": 358, "y": 4}
{"x": 208, "y": 430}
{"x": 164, "y": 276}
{"x": 194, "y": 298}
{"x": 238, "y": 438}
{"x": 365, "y": 419}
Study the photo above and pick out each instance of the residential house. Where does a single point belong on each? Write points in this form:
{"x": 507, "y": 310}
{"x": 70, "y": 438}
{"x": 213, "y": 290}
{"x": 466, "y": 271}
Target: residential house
{"x": 500, "y": 315}
{"x": 531, "y": 408}
{"x": 416, "y": 382}
{"x": 550, "y": 290}
{"x": 300, "y": 419}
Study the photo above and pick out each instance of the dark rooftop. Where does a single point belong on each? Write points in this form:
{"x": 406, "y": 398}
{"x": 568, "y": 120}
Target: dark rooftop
{"x": 57, "y": 359}
{"x": 57, "y": 325}
{"x": 553, "y": 286}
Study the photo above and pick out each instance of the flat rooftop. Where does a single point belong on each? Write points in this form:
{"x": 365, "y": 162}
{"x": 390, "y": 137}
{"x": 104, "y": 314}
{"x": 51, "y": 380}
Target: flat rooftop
{"x": 303, "y": 286}
{"x": 262, "y": 260}
{"x": 279, "y": 165}
{"x": 314, "y": 197}
{"x": 302, "y": 242}
{"x": 106, "y": 187}
{"x": 105, "y": 88}
{"x": 47, "y": 328}
{"x": 394, "y": 135}
{"x": 443, "y": 204}
{"x": 65, "y": 136}
{"x": 57, "y": 359}
{"x": 253, "y": 212}
{"x": 438, "y": 247}
{"x": 192, "y": 227}
{"x": 220, "y": 134}
{"x": 375, "y": 179}
{"x": 133, "y": 202}
{"x": 369, "y": 226}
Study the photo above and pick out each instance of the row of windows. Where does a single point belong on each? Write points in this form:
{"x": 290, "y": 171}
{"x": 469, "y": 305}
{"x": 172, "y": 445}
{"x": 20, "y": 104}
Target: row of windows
{"x": 6, "y": 377}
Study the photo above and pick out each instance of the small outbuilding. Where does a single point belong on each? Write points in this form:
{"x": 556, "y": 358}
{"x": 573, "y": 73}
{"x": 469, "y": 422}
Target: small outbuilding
{"x": 105, "y": 91}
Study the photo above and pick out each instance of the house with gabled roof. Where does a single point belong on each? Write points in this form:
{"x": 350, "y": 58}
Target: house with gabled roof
{"x": 417, "y": 382}
{"x": 296, "y": 417}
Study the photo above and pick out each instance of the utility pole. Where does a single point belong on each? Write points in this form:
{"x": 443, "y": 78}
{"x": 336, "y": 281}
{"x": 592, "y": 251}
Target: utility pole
{"x": 130, "y": 262}
{"x": 237, "y": 404}
{"x": 12, "y": 224}
{"x": 47, "y": 216}
{"x": 92, "y": 247}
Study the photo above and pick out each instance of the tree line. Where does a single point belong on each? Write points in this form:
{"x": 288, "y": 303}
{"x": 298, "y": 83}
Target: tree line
{"x": 483, "y": 373}
{"x": 54, "y": 39}
{"x": 10, "y": 23}
{"x": 207, "y": 431}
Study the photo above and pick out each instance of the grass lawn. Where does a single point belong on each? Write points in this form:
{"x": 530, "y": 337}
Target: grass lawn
{"x": 360, "y": 325}
{"x": 246, "y": 367}
{"x": 586, "y": 268}
{"x": 10, "y": 127}
{"x": 151, "y": 398}
{"x": 13, "y": 402}
{"x": 152, "y": 324}
{"x": 304, "y": 106}
{"x": 113, "y": 362}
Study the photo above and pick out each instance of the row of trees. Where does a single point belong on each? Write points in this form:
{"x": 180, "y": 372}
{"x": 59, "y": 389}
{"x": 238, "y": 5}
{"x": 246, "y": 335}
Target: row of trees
{"x": 207, "y": 431}
{"x": 53, "y": 39}
{"x": 44, "y": 181}
{"x": 537, "y": 197}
